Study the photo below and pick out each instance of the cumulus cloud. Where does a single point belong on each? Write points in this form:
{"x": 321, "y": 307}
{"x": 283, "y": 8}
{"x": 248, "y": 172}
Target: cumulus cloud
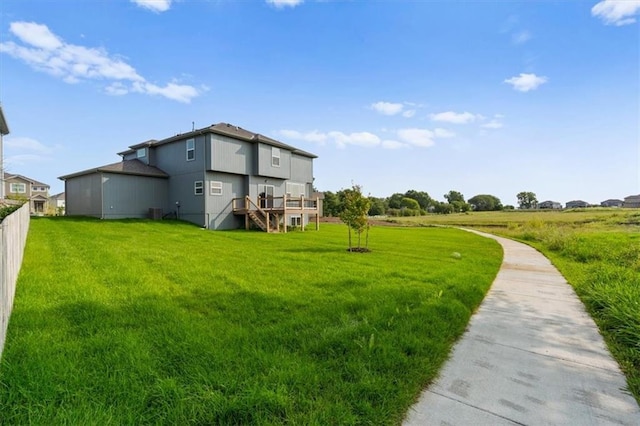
{"x": 284, "y": 3}
{"x": 443, "y": 133}
{"x": 493, "y": 124}
{"x": 364, "y": 139}
{"x": 46, "y": 52}
{"x": 455, "y": 118}
{"x": 154, "y": 5}
{"x": 526, "y": 82}
{"x": 417, "y": 137}
{"x": 393, "y": 144}
{"x": 387, "y": 108}
{"x": 617, "y": 12}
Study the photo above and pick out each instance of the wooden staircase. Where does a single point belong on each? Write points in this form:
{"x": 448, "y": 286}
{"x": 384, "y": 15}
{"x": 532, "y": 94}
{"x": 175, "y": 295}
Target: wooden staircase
{"x": 264, "y": 220}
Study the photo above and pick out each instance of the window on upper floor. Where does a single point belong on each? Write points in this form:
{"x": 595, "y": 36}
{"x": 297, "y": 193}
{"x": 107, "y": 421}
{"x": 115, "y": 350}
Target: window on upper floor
{"x": 142, "y": 152}
{"x": 191, "y": 149}
{"x": 198, "y": 187}
{"x": 215, "y": 188}
{"x": 18, "y": 188}
{"x": 275, "y": 156}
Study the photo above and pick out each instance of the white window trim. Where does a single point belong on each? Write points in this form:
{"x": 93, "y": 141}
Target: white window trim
{"x": 295, "y": 220}
{"x": 192, "y": 149}
{"x": 215, "y": 187}
{"x": 198, "y": 186}
{"x": 275, "y": 154}
{"x": 18, "y": 185}
{"x": 142, "y": 152}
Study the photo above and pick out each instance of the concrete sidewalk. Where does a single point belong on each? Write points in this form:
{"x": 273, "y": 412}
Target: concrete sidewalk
{"x": 531, "y": 356}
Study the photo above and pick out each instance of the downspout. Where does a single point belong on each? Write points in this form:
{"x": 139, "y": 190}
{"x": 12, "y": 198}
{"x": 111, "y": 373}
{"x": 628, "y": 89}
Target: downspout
{"x": 101, "y": 195}
{"x": 205, "y": 184}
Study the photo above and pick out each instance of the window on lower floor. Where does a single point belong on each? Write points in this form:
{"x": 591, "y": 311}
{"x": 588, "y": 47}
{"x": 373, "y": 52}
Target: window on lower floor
{"x": 296, "y": 220}
{"x": 215, "y": 188}
{"x": 18, "y": 188}
{"x": 198, "y": 187}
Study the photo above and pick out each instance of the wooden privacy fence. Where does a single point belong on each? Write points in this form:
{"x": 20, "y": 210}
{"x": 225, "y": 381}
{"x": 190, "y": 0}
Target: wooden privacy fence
{"x": 13, "y": 237}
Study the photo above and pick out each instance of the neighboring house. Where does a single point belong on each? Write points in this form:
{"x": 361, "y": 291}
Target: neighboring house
{"x": 550, "y": 205}
{"x": 219, "y": 177}
{"x": 56, "y": 203}
{"x": 4, "y": 130}
{"x": 612, "y": 203}
{"x": 21, "y": 187}
{"x": 632, "y": 201}
{"x": 577, "y": 204}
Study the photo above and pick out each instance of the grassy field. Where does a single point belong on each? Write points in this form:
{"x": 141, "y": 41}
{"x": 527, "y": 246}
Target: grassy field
{"x": 597, "y": 251}
{"x": 139, "y": 322}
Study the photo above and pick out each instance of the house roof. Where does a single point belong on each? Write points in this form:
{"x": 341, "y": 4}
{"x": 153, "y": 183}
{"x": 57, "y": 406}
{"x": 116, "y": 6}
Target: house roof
{"x": 59, "y": 196}
{"x": 126, "y": 167}
{"x": 224, "y": 129}
{"x": 9, "y": 176}
{"x": 4, "y": 127}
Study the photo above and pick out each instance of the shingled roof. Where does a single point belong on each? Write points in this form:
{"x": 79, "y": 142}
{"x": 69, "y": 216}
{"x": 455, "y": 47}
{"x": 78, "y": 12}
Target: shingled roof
{"x": 125, "y": 167}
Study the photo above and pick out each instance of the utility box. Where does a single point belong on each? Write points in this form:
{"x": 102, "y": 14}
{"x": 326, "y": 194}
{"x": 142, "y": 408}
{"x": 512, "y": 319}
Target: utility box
{"x": 155, "y": 213}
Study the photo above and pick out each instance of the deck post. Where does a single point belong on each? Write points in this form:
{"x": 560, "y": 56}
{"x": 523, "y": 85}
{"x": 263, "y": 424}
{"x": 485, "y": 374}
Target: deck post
{"x": 267, "y": 218}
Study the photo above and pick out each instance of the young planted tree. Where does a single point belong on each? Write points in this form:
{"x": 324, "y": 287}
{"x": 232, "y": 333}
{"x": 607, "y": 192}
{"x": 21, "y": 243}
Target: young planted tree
{"x": 354, "y": 215}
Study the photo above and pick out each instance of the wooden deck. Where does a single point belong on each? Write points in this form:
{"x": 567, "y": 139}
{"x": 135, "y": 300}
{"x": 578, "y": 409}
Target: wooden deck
{"x": 271, "y": 213}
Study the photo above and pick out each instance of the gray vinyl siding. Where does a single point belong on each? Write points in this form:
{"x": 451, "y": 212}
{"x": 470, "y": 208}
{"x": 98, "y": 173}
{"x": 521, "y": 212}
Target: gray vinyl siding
{"x": 232, "y": 156}
{"x": 219, "y": 207}
{"x": 264, "y": 163}
{"x": 84, "y": 195}
{"x": 132, "y": 196}
{"x": 181, "y": 189}
{"x": 172, "y": 157}
{"x": 301, "y": 169}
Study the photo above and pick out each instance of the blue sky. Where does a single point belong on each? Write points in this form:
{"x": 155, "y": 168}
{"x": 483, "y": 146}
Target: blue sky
{"x": 482, "y": 97}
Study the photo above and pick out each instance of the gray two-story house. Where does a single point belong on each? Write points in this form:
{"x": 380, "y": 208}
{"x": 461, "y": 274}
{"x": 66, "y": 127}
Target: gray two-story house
{"x": 218, "y": 177}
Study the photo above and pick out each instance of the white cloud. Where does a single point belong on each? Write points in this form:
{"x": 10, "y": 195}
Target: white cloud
{"x": 493, "y": 124}
{"x": 455, "y": 118}
{"x": 417, "y": 137}
{"x": 284, "y": 3}
{"x": 617, "y": 12}
{"x": 443, "y": 133}
{"x": 387, "y": 108}
{"x": 26, "y": 144}
{"x": 392, "y": 144}
{"x": 521, "y": 37}
{"x": 364, "y": 139}
{"x": 409, "y": 113}
{"x": 313, "y": 136}
{"x": 154, "y": 5}
{"x": 44, "y": 51}
{"x": 526, "y": 82}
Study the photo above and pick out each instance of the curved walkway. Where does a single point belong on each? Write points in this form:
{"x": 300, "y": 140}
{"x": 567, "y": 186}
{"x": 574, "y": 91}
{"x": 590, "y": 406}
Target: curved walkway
{"x": 531, "y": 355}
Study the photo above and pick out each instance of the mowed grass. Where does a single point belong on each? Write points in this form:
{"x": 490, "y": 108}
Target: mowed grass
{"x": 597, "y": 251}
{"x": 139, "y": 322}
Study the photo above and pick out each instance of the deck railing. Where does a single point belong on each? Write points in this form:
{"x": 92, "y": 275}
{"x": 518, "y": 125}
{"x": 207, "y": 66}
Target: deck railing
{"x": 282, "y": 204}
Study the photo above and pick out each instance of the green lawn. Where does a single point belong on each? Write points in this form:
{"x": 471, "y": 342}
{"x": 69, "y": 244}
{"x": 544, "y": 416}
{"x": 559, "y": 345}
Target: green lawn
{"x": 139, "y": 322}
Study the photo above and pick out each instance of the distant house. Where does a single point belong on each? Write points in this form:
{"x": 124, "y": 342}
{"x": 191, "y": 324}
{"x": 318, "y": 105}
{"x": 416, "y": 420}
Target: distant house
{"x": 219, "y": 177}
{"x": 4, "y": 130}
{"x": 553, "y": 205}
{"x": 56, "y": 202}
{"x": 612, "y": 203}
{"x": 577, "y": 204}
{"x": 21, "y": 187}
{"x": 632, "y": 201}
